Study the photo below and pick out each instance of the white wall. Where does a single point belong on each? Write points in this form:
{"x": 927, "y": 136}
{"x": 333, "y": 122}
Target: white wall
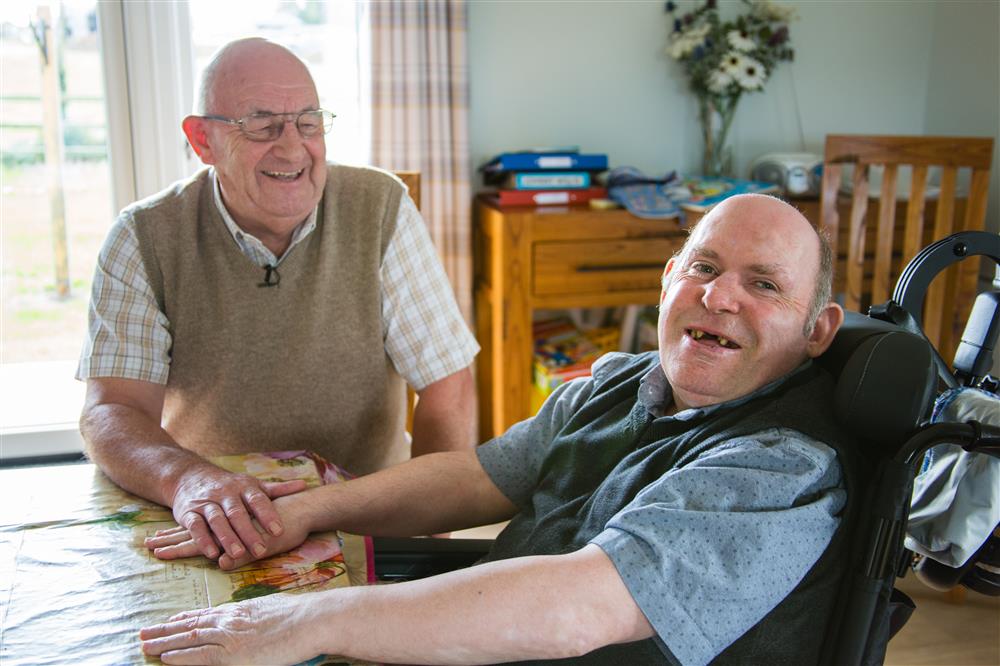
{"x": 859, "y": 68}
{"x": 595, "y": 74}
{"x": 576, "y": 73}
{"x": 964, "y": 92}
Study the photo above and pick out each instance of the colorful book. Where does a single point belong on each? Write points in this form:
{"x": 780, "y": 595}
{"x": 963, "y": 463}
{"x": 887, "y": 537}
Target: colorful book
{"x": 548, "y": 197}
{"x": 544, "y": 180}
{"x": 700, "y": 194}
{"x": 534, "y": 161}
{"x": 562, "y": 352}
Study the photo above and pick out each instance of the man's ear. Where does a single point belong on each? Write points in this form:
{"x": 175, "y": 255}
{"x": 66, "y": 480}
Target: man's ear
{"x": 827, "y": 324}
{"x": 195, "y": 131}
{"x": 663, "y": 281}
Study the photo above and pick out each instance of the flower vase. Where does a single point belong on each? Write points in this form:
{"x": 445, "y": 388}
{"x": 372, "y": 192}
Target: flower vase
{"x": 716, "y": 116}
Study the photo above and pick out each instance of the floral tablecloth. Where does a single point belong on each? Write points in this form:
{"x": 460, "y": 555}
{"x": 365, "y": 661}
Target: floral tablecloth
{"x": 76, "y": 583}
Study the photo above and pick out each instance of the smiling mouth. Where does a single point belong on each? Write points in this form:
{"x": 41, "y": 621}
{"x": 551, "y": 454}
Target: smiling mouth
{"x": 284, "y": 175}
{"x": 708, "y": 338}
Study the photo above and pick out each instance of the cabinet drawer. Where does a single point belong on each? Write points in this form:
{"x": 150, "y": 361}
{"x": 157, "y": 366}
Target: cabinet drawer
{"x": 596, "y": 266}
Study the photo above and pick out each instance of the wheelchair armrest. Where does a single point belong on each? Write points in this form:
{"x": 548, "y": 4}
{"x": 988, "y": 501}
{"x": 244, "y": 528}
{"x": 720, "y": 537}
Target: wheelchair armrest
{"x": 412, "y": 558}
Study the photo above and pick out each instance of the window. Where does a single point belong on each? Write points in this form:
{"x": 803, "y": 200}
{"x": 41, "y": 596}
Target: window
{"x": 56, "y": 205}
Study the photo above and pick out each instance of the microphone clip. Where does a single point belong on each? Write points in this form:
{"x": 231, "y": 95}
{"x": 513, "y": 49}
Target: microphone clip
{"x": 269, "y": 272}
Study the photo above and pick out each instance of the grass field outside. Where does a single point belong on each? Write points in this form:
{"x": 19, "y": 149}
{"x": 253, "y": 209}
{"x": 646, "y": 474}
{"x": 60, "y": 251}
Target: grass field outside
{"x": 35, "y": 325}
{"x": 38, "y": 326}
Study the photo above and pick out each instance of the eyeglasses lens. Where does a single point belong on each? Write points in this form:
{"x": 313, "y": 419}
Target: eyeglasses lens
{"x": 268, "y": 127}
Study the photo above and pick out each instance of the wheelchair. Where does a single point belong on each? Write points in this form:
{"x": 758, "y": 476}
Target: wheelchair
{"x": 896, "y": 426}
{"x": 888, "y": 376}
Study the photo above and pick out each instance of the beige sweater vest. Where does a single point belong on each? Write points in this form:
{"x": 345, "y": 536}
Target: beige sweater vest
{"x": 297, "y": 366}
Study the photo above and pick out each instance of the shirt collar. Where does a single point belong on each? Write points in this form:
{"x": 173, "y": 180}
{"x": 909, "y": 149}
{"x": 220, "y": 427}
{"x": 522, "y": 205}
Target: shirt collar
{"x": 249, "y": 244}
{"x": 655, "y": 393}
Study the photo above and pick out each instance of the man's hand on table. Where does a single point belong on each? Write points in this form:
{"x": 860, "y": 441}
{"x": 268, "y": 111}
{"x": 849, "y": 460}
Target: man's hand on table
{"x": 267, "y": 630}
{"x": 218, "y": 510}
{"x": 179, "y": 542}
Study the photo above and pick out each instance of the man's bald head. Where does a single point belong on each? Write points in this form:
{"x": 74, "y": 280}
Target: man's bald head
{"x": 738, "y": 308}
{"x": 768, "y": 205}
{"x": 237, "y": 60}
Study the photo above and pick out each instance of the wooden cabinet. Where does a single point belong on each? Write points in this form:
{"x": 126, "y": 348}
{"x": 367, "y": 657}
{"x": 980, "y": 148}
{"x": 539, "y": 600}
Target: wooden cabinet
{"x": 552, "y": 257}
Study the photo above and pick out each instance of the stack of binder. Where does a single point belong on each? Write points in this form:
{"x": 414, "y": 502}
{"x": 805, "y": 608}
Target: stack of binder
{"x": 545, "y": 177}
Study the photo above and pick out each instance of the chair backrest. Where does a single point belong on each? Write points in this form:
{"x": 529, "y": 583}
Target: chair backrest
{"x": 885, "y": 387}
{"x": 412, "y": 181}
{"x": 870, "y": 272}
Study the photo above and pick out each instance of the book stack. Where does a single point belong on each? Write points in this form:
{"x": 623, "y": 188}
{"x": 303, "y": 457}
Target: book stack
{"x": 545, "y": 177}
{"x": 562, "y": 352}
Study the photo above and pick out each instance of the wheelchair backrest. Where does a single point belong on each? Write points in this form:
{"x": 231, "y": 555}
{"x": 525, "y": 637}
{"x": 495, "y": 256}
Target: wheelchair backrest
{"x": 886, "y": 381}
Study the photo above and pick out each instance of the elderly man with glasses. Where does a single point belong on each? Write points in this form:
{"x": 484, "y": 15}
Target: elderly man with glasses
{"x": 270, "y": 302}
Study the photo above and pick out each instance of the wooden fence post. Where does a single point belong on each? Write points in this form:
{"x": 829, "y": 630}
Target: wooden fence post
{"x": 48, "y": 37}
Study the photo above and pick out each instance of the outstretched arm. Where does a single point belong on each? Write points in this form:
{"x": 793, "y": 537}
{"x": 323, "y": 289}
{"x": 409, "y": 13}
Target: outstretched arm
{"x": 527, "y": 607}
{"x": 120, "y": 424}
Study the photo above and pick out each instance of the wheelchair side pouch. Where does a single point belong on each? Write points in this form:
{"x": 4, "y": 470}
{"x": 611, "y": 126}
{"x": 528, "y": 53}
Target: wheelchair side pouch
{"x": 890, "y": 615}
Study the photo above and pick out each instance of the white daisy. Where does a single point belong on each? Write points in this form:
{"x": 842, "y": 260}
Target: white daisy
{"x": 752, "y": 75}
{"x": 732, "y": 62}
{"x": 740, "y": 41}
{"x": 719, "y": 80}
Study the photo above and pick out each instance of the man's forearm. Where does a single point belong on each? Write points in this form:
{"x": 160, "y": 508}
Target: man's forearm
{"x": 434, "y": 493}
{"x": 444, "y": 417}
{"x": 530, "y": 607}
{"x": 136, "y": 453}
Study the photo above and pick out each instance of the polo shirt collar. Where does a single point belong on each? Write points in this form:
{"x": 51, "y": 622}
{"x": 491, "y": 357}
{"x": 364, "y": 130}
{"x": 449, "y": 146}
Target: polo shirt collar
{"x": 655, "y": 393}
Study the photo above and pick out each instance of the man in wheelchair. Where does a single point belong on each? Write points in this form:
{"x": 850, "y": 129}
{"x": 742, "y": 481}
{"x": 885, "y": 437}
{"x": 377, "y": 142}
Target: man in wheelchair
{"x": 684, "y": 506}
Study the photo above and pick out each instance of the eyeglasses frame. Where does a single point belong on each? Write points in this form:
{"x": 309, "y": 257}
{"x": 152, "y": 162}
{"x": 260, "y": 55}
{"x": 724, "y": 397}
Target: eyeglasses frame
{"x": 241, "y": 123}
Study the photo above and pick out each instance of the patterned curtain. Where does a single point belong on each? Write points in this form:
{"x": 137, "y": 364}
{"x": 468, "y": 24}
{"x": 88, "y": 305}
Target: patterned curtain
{"x": 420, "y": 102}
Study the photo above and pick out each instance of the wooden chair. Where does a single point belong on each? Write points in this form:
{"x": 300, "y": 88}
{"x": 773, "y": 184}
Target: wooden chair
{"x": 870, "y": 274}
{"x": 412, "y": 181}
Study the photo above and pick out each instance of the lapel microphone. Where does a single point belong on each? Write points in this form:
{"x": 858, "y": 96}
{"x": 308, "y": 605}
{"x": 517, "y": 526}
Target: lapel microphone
{"x": 270, "y": 271}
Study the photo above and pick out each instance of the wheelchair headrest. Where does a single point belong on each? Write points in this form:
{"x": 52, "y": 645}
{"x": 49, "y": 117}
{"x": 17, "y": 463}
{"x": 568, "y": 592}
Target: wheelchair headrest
{"x": 886, "y": 380}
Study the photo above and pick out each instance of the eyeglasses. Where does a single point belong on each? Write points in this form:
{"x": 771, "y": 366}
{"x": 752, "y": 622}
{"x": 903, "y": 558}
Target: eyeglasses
{"x": 269, "y": 126}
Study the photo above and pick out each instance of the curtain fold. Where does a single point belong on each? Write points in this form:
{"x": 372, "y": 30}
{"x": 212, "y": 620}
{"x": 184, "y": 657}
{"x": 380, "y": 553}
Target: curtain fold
{"x": 420, "y": 102}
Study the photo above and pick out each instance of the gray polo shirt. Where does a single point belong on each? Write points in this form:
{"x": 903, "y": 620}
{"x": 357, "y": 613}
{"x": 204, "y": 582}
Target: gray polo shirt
{"x": 708, "y": 548}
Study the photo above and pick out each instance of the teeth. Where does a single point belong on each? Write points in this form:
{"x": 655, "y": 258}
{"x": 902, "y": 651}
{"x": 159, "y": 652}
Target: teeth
{"x": 699, "y": 334}
{"x": 284, "y": 174}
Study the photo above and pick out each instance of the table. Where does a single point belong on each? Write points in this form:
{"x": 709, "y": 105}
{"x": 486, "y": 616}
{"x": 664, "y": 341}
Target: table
{"x": 552, "y": 257}
{"x": 76, "y": 584}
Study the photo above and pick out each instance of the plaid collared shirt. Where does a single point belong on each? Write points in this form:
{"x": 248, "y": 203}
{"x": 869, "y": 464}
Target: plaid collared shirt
{"x": 426, "y": 337}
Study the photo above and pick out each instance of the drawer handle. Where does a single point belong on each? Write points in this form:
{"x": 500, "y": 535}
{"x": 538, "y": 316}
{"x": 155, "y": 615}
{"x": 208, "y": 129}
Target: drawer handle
{"x": 587, "y": 268}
